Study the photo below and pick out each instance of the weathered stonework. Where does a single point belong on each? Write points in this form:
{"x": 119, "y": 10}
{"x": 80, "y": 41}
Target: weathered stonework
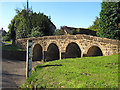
{"x": 85, "y": 42}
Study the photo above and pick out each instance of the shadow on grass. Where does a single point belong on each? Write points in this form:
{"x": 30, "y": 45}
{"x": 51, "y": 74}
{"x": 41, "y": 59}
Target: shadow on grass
{"x": 48, "y": 65}
{"x": 51, "y": 60}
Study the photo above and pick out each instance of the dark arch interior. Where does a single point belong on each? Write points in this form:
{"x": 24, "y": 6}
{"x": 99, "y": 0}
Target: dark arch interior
{"x": 94, "y": 51}
{"x": 72, "y": 51}
{"x": 52, "y": 53}
{"x": 37, "y": 53}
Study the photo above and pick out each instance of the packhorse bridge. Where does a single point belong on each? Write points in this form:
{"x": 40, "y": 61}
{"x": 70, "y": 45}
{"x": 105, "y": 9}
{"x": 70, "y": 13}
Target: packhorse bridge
{"x": 70, "y": 46}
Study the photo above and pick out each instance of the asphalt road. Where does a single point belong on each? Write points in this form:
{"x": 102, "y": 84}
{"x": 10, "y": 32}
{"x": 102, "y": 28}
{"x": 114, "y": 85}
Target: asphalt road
{"x": 13, "y": 72}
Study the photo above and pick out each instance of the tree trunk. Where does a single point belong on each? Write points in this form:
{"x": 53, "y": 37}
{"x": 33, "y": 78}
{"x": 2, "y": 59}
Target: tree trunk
{"x": 13, "y": 41}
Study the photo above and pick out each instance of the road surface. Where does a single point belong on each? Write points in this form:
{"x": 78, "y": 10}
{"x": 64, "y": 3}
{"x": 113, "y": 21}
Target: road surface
{"x": 13, "y": 72}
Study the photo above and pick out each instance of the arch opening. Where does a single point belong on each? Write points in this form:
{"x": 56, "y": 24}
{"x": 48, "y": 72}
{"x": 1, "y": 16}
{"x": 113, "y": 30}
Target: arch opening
{"x": 37, "y": 53}
{"x": 52, "y": 52}
{"x": 73, "y": 51}
{"x": 94, "y": 51}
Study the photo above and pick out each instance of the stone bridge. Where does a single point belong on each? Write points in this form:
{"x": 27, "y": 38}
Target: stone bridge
{"x": 70, "y": 46}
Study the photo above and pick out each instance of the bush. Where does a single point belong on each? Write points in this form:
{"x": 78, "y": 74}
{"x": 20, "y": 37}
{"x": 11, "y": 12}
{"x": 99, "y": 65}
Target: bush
{"x": 58, "y": 32}
{"x": 73, "y": 32}
{"x": 6, "y": 38}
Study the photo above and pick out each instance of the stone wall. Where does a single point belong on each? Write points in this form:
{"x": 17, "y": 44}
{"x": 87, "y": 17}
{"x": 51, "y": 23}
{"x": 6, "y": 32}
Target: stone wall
{"x": 14, "y": 55}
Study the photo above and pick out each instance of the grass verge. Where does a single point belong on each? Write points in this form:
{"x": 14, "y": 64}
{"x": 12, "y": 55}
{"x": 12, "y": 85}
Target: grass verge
{"x": 87, "y": 72}
{"x": 10, "y": 42}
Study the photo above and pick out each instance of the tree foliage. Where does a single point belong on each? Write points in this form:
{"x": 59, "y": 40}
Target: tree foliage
{"x": 3, "y": 32}
{"x": 95, "y": 25}
{"x": 109, "y": 20}
{"x": 5, "y": 35}
{"x": 36, "y": 32}
{"x": 58, "y": 32}
{"x": 73, "y": 32}
{"x": 29, "y": 24}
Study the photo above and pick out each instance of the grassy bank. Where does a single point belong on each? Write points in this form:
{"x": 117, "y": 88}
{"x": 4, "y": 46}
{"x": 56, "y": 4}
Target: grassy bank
{"x": 87, "y": 72}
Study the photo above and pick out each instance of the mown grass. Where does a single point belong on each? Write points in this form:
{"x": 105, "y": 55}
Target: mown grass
{"x": 12, "y": 47}
{"x": 87, "y": 72}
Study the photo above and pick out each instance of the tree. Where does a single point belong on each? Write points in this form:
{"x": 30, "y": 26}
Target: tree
{"x": 36, "y": 32}
{"x": 5, "y": 35}
{"x": 3, "y": 32}
{"x": 109, "y": 20}
{"x": 28, "y": 24}
{"x": 19, "y": 26}
{"x": 95, "y": 25}
{"x": 43, "y": 22}
{"x": 11, "y": 33}
{"x": 22, "y": 23}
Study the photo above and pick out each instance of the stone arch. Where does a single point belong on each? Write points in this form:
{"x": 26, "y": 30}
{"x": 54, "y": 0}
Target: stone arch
{"x": 72, "y": 50}
{"x": 35, "y": 43}
{"x": 51, "y": 42}
{"x": 93, "y": 50}
{"x": 94, "y": 44}
{"x": 52, "y": 52}
{"x": 37, "y": 52}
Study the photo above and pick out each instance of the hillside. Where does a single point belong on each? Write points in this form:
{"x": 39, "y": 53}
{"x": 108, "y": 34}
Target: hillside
{"x": 87, "y": 72}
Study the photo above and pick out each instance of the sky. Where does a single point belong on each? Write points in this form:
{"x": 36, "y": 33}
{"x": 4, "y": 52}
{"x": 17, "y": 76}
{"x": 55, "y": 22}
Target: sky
{"x": 71, "y": 14}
